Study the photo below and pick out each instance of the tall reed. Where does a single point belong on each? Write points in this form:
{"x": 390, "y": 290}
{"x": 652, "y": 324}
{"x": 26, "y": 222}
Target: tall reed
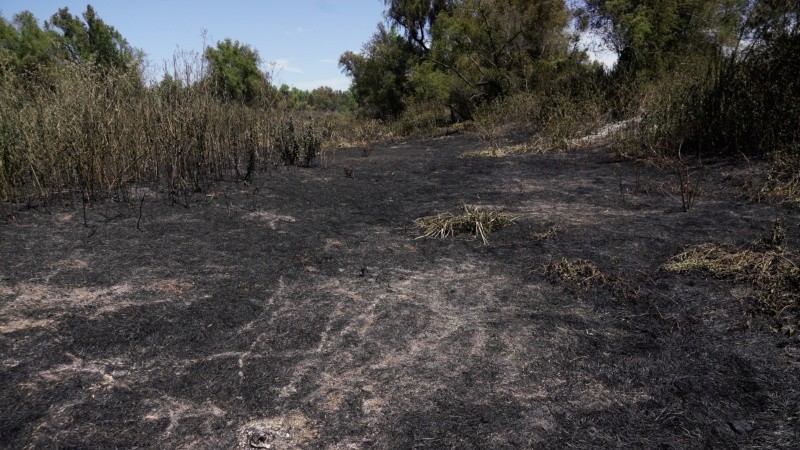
{"x": 79, "y": 131}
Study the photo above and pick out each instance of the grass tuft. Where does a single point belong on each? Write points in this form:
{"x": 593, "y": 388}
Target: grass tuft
{"x": 473, "y": 220}
{"x": 545, "y": 233}
{"x": 783, "y": 181}
{"x": 584, "y": 275}
{"x": 499, "y": 152}
{"x": 768, "y": 265}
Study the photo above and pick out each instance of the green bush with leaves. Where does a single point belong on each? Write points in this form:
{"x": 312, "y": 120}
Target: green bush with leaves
{"x": 234, "y": 73}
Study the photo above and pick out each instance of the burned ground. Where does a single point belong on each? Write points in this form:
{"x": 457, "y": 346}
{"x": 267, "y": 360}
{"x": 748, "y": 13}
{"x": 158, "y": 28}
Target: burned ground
{"x": 299, "y": 311}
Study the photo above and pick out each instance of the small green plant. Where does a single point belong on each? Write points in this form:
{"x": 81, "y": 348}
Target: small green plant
{"x": 297, "y": 145}
{"x": 311, "y": 144}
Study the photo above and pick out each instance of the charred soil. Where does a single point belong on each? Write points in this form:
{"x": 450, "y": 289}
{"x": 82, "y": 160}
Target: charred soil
{"x": 300, "y": 311}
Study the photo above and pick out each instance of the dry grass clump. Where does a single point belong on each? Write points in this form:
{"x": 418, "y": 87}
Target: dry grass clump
{"x": 545, "y": 233}
{"x": 499, "y": 152}
{"x": 783, "y": 181}
{"x": 768, "y": 265}
{"x": 584, "y": 275}
{"x": 473, "y": 220}
{"x": 539, "y": 145}
{"x": 348, "y": 132}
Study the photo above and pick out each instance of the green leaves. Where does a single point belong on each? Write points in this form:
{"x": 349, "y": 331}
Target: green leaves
{"x": 380, "y": 73}
{"x": 233, "y": 70}
{"x": 92, "y": 41}
{"x": 35, "y": 52}
{"x": 457, "y": 53}
{"x": 25, "y": 45}
{"x": 652, "y": 35}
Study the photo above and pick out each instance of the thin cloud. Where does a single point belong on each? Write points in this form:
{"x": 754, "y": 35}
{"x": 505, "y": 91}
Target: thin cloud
{"x": 285, "y": 65}
{"x": 328, "y": 61}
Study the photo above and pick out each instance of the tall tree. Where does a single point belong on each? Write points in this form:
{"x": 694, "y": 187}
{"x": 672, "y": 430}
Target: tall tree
{"x": 649, "y": 35}
{"x": 380, "y": 72}
{"x": 92, "y": 40}
{"x": 416, "y": 18}
{"x": 27, "y": 46}
{"x": 233, "y": 70}
{"x": 459, "y": 53}
{"x": 492, "y": 46}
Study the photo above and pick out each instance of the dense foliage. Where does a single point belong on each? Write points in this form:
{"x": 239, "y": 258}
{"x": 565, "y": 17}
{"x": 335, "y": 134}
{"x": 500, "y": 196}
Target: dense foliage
{"x": 77, "y": 115}
{"x": 703, "y": 76}
{"x": 234, "y": 71}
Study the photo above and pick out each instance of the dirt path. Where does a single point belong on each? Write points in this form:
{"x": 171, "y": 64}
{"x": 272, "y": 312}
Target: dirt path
{"x": 300, "y": 312}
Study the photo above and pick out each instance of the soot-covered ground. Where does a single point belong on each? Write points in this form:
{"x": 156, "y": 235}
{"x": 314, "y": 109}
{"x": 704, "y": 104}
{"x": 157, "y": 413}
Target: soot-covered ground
{"x": 299, "y": 311}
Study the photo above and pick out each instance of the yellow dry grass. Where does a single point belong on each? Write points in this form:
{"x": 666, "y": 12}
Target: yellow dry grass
{"x": 472, "y": 219}
{"x": 771, "y": 268}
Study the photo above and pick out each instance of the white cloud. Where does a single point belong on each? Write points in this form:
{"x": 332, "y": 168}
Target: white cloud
{"x": 299, "y": 30}
{"x": 284, "y": 65}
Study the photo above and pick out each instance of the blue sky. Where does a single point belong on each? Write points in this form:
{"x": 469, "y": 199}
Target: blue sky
{"x": 303, "y": 38}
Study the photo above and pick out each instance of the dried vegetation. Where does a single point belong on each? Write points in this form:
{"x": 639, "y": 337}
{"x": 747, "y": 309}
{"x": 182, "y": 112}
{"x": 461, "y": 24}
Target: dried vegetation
{"x": 585, "y": 275}
{"x": 768, "y": 265}
{"x": 472, "y": 220}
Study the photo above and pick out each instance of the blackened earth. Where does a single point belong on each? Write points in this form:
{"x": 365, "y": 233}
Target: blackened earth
{"x": 299, "y": 311}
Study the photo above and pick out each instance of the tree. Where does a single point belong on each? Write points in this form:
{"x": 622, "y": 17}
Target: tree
{"x": 416, "y": 18}
{"x": 29, "y": 48}
{"x": 234, "y": 73}
{"x": 380, "y": 72}
{"x": 494, "y": 47}
{"x": 753, "y": 104}
{"x": 651, "y": 35}
{"x": 92, "y": 41}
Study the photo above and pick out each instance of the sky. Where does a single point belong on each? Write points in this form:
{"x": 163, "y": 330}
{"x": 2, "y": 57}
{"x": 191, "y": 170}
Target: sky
{"x": 299, "y": 40}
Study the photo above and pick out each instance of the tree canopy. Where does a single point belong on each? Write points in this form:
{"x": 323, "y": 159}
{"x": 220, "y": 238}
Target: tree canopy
{"x": 379, "y": 73}
{"x": 649, "y": 35}
{"x": 458, "y": 53}
{"x": 234, "y": 72}
{"x": 416, "y": 18}
{"x": 92, "y": 40}
{"x": 33, "y": 50}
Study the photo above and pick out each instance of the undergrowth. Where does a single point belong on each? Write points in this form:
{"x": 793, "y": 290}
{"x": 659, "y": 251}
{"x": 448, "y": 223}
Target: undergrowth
{"x": 545, "y": 233}
{"x": 81, "y": 133}
{"x": 782, "y": 183}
